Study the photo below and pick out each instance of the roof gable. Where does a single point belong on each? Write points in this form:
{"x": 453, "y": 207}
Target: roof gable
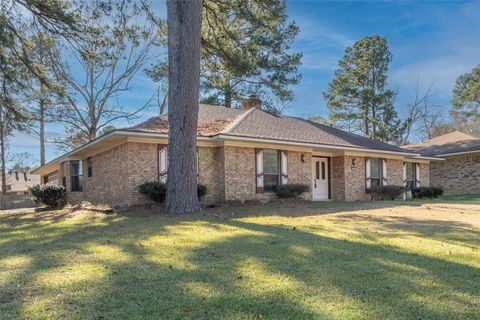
{"x": 453, "y": 142}
{"x": 211, "y": 120}
{"x": 262, "y": 124}
{"x": 257, "y": 123}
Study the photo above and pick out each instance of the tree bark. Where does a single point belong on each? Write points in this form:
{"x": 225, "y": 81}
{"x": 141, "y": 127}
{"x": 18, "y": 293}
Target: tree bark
{"x": 184, "y": 26}
{"x": 2, "y": 151}
{"x": 228, "y": 95}
{"x": 41, "y": 133}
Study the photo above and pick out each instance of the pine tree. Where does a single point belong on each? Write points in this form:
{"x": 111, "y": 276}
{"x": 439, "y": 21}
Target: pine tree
{"x": 466, "y": 102}
{"x": 358, "y": 98}
{"x": 245, "y": 49}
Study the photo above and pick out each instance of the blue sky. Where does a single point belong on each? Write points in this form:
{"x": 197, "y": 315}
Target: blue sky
{"x": 431, "y": 43}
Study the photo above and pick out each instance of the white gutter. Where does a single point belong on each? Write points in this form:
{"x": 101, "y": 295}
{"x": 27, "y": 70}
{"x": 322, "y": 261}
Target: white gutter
{"x": 313, "y": 145}
{"x": 229, "y": 137}
{"x": 429, "y": 158}
{"x": 457, "y": 153}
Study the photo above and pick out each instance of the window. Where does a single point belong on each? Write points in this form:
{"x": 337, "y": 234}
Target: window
{"x": 89, "y": 167}
{"x": 270, "y": 170}
{"x": 323, "y": 170}
{"x": 410, "y": 180}
{"x": 76, "y": 175}
{"x": 375, "y": 172}
{"x": 8, "y": 187}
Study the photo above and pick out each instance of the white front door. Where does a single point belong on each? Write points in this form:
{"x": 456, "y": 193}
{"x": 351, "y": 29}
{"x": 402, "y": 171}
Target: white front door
{"x": 320, "y": 179}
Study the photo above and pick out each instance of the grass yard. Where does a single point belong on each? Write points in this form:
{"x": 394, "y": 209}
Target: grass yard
{"x": 299, "y": 261}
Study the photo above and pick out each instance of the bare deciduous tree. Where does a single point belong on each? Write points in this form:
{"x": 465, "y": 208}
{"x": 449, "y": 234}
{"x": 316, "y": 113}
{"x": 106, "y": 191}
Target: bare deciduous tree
{"x": 423, "y": 116}
{"x": 115, "y": 47}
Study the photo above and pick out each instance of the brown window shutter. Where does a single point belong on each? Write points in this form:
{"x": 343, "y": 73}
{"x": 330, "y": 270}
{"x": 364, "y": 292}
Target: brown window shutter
{"x": 368, "y": 182}
{"x": 162, "y": 162}
{"x": 283, "y": 167}
{"x": 259, "y": 170}
{"x": 417, "y": 175}
{"x": 384, "y": 172}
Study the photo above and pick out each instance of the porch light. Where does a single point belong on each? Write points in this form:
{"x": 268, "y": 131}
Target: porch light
{"x": 302, "y": 157}
{"x": 354, "y": 162}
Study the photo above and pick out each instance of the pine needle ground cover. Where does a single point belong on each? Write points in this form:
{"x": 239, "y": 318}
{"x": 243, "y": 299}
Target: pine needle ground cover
{"x": 279, "y": 261}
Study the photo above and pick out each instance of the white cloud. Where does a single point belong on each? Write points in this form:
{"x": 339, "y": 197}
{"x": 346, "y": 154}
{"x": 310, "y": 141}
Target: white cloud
{"x": 316, "y": 33}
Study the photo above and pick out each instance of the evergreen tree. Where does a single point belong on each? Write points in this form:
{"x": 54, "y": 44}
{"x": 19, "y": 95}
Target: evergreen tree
{"x": 466, "y": 102}
{"x": 43, "y": 99}
{"x": 358, "y": 98}
{"x": 245, "y": 49}
{"x": 13, "y": 115}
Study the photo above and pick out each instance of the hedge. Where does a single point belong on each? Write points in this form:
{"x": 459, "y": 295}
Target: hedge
{"x": 156, "y": 191}
{"x": 50, "y": 194}
{"x": 292, "y": 190}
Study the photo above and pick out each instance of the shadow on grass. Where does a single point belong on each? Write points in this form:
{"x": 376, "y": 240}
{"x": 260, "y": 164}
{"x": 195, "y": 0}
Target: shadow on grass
{"x": 252, "y": 271}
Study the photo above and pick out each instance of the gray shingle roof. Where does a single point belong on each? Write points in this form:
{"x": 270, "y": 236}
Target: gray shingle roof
{"x": 257, "y": 123}
{"x": 211, "y": 120}
{"x": 453, "y": 142}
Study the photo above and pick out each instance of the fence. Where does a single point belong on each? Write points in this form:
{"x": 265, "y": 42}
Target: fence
{"x": 13, "y": 201}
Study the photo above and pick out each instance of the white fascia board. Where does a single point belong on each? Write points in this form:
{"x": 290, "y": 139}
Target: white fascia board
{"x": 313, "y": 145}
{"x": 457, "y": 153}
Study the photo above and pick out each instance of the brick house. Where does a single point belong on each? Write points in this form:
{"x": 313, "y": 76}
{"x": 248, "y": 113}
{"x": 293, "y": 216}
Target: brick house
{"x": 459, "y": 172}
{"x": 19, "y": 181}
{"x": 243, "y": 154}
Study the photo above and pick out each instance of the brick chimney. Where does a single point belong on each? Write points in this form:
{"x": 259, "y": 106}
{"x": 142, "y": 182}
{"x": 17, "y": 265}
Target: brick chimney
{"x": 252, "y": 102}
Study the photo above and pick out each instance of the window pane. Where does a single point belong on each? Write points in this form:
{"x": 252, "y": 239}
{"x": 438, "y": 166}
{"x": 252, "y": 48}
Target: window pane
{"x": 89, "y": 167}
{"x": 375, "y": 182}
{"x": 374, "y": 168}
{"x": 76, "y": 183}
{"x": 270, "y": 161}
{"x": 317, "y": 170}
{"x": 323, "y": 170}
{"x": 76, "y": 175}
{"x": 270, "y": 182}
{"x": 76, "y": 168}
{"x": 410, "y": 173}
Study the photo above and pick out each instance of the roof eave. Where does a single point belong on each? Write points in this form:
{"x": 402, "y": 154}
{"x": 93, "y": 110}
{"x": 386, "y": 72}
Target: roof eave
{"x": 126, "y": 132}
{"x": 429, "y": 158}
{"x": 457, "y": 153}
{"x": 307, "y": 144}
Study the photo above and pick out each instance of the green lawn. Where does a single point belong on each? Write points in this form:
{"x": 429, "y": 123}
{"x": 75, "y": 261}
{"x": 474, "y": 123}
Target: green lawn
{"x": 379, "y": 260}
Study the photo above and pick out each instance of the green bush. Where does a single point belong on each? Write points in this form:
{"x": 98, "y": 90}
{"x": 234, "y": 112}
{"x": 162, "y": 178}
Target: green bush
{"x": 437, "y": 191}
{"x": 49, "y": 194}
{"x": 387, "y": 192}
{"x": 156, "y": 191}
{"x": 201, "y": 190}
{"x": 292, "y": 190}
{"x": 427, "y": 192}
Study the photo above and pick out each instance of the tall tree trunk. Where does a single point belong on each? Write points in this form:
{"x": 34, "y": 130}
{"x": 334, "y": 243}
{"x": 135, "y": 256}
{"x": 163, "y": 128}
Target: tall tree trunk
{"x": 366, "y": 122}
{"x": 228, "y": 95}
{"x": 41, "y": 119}
{"x": 2, "y": 151}
{"x": 184, "y": 24}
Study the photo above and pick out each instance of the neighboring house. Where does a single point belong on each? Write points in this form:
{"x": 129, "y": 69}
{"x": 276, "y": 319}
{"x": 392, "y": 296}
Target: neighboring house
{"x": 459, "y": 173}
{"x": 19, "y": 181}
{"x": 243, "y": 154}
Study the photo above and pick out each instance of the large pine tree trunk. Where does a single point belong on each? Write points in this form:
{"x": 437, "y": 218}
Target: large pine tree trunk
{"x": 2, "y": 152}
{"x": 42, "y": 131}
{"x": 228, "y": 95}
{"x": 184, "y": 24}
